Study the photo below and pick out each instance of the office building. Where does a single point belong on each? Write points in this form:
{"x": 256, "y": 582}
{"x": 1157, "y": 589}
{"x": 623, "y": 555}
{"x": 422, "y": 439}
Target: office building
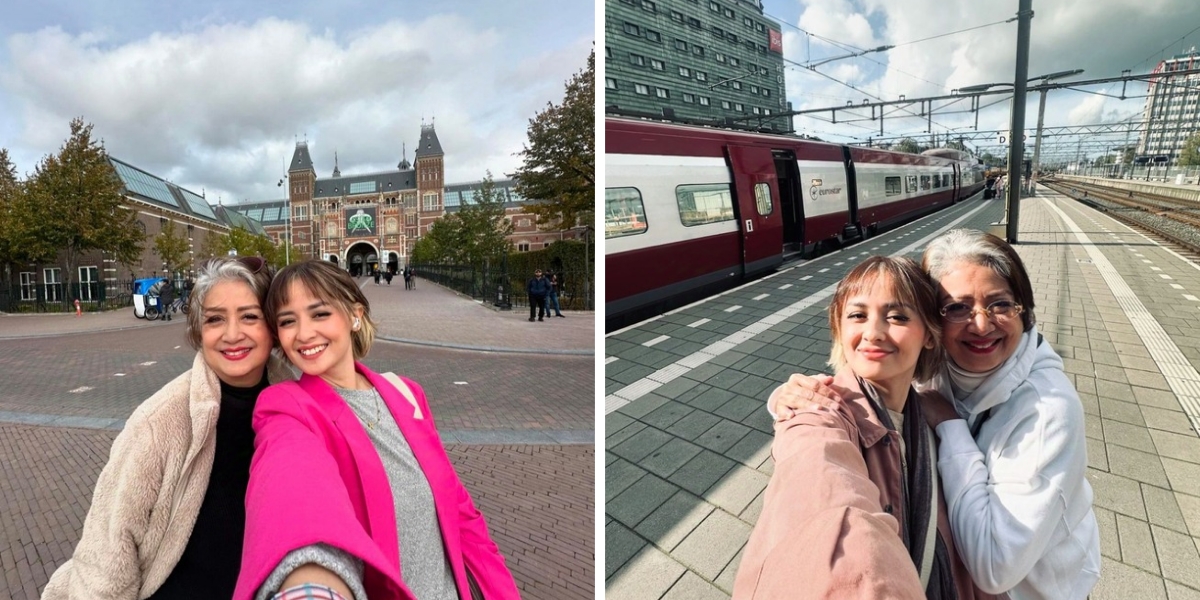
{"x": 1172, "y": 112}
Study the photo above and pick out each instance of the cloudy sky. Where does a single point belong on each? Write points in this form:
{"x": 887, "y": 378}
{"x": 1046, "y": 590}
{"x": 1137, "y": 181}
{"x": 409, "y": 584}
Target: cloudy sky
{"x": 214, "y": 95}
{"x": 1103, "y": 37}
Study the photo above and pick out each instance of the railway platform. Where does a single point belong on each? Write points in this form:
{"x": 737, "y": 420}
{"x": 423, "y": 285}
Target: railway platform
{"x": 687, "y": 446}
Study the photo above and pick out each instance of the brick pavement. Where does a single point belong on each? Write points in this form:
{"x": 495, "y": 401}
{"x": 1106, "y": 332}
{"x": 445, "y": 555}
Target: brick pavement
{"x": 429, "y": 314}
{"x": 538, "y": 501}
{"x": 688, "y": 451}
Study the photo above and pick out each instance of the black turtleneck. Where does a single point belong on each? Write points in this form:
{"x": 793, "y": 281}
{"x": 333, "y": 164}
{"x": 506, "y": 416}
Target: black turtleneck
{"x": 210, "y": 563}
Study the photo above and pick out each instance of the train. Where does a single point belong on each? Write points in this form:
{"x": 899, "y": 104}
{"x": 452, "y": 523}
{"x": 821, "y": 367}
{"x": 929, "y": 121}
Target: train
{"x": 690, "y": 210}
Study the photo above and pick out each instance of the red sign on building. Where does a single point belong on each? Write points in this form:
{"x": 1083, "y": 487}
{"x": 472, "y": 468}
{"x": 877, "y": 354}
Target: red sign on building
{"x": 776, "y": 40}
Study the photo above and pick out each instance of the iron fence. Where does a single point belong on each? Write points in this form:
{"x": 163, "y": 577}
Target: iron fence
{"x": 503, "y": 289}
{"x": 43, "y": 297}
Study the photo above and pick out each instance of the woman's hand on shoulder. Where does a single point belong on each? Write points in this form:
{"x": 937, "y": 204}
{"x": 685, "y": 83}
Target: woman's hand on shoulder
{"x": 802, "y": 392}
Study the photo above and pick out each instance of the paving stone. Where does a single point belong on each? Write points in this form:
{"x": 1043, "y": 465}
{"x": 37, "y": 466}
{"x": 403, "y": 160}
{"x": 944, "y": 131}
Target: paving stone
{"x": 1094, "y": 430}
{"x": 620, "y": 544}
{"x": 752, "y": 450}
{"x": 641, "y": 444}
{"x": 1110, "y": 542}
{"x": 1176, "y": 591}
{"x": 1178, "y": 555}
{"x": 1156, "y": 398}
{"x": 726, "y": 578}
{"x": 1163, "y": 509}
{"x": 1117, "y": 494}
{"x": 638, "y": 500}
{"x": 1148, "y": 379}
{"x": 623, "y": 433}
{"x": 668, "y": 524}
{"x": 1185, "y": 447}
{"x": 614, "y": 422}
{"x": 642, "y": 406}
{"x": 1097, "y": 455}
{"x": 692, "y": 587}
{"x": 740, "y": 486}
{"x": 1091, "y": 405}
{"x": 1129, "y": 436}
{"x": 1137, "y": 545}
{"x": 649, "y": 574}
{"x": 740, "y": 407}
{"x": 711, "y": 399}
{"x": 1189, "y": 506}
{"x": 619, "y": 475}
{"x": 1167, "y": 420}
{"x": 669, "y": 457}
{"x": 676, "y": 387}
{"x": 710, "y": 547}
{"x": 1125, "y": 412}
{"x": 722, "y": 436}
{"x": 700, "y": 473}
{"x": 667, "y": 414}
{"x": 1184, "y": 476}
{"x": 1142, "y": 466}
{"x": 693, "y": 425}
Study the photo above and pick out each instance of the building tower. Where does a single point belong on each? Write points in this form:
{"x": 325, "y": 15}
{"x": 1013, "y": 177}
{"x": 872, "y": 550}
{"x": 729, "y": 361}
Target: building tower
{"x": 302, "y": 178}
{"x": 1172, "y": 112}
{"x": 431, "y": 182}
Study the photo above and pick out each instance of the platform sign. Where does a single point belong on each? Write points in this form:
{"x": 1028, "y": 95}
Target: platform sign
{"x": 1005, "y": 137}
{"x": 1162, "y": 158}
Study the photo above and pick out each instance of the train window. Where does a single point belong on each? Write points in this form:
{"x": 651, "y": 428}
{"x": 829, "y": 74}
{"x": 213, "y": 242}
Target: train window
{"x": 910, "y": 183}
{"x": 937, "y": 181}
{"x": 924, "y": 182}
{"x": 891, "y": 186}
{"x": 707, "y": 203}
{"x": 762, "y": 198}
{"x": 624, "y": 213}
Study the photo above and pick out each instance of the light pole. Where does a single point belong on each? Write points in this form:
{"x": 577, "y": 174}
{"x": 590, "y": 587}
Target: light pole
{"x": 1037, "y": 144}
{"x": 287, "y": 206}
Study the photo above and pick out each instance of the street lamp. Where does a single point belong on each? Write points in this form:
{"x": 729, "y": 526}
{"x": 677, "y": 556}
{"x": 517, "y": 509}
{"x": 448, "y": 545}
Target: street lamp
{"x": 287, "y": 206}
{"x": 1037, "y": 144}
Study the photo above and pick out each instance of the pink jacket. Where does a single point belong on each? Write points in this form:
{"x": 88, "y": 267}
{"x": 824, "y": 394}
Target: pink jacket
{"x": 316, "y": 477}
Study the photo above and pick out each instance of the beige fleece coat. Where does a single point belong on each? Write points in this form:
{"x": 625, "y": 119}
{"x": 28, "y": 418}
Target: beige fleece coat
{"x": 149, "y": 494}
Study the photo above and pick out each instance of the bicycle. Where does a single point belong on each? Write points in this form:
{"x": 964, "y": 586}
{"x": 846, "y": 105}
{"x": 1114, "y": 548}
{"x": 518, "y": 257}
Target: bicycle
{"x": 179, "y": 305}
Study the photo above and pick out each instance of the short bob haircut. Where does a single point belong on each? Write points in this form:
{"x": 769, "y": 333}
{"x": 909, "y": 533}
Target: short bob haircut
{"x": 325, "y": 281}
{"x": 984, "y": 249}
{"x": 250, "y": 270}
{"x": 910, "y": 286}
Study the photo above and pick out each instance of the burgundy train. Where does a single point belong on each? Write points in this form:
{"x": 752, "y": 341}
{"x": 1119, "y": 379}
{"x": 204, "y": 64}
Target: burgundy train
{"x": 691, "y": 210}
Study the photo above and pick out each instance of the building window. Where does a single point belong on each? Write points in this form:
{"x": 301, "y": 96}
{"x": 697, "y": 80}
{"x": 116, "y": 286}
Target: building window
{"x": 718, "y": 32}
{"x": 632, "y": 29}
{"x": 648, "y": 6}
{"x": 733, "y": 61}
{"x": 641, "y": 90}
{"x": 638, "y": 60}
{"x": 759, "y": 27}
{"x": 689, "y": 98}
{"x": 676, "y": 16}
{"x": 738, "y": 107}
{"x": 701, "y": 76}
{"x": 52, "y": 284}
{"x": 766, "y": 92}
{"x": 756, "y": 110}
{"x": 732, "y": 37}
{"x": 653, "y": 35}
{"x": 753, "y": 89}
{"x": 698, "y": 50}
{"x": 681, "y": 45}
{"x": 28, "y": 286}
{"x": 523, "y": 247}
{"x": 662, "y": 92}
{"x": 747, "y": 22}
{"x": 728, "y": 12}
{"x": 300, "y": 212}
{"x": 89, "y": 277}
{"x": 694, "y": 23}
{"x": 704, "y": 101}
{"x": 719, "y": 57}
{"x": 725, "y": 104}
{"x": 713, "y": 6}
{"x": 610, "y": 83}
{"x": 431, "y": 202}
{"x": 657, "y": 65}
{"x": 737, "y": 85}
{"x": 685, "y": 72}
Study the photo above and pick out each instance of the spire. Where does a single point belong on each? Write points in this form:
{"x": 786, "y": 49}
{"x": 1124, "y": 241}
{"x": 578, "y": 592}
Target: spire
{"x": 429, "y": 145}
{"x": 336, "y": 172}
{"x": 404, "y": 164}
{"x": 301, "y": 161}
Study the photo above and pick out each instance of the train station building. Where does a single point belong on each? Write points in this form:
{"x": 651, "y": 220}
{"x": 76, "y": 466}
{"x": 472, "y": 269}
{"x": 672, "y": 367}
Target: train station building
{"x": 700, "y": 61}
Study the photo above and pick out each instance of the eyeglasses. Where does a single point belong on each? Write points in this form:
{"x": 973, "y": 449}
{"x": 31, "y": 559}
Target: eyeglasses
{"x": 998, "y": 311}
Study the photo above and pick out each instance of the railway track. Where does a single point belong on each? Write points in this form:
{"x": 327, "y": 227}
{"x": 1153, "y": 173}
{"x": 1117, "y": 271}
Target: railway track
{"x": 1175, "y": 221}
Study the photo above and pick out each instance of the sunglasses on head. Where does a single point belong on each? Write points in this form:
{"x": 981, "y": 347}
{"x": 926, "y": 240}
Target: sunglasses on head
{"x": 254, "y": 264}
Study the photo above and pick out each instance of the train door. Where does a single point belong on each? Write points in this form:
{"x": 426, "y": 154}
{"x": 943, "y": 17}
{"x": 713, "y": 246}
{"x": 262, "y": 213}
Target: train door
{"x": 791, "y": 201}
{"x": 852, "y": 229}
{"x": 759, "y": 215}
{"x": 958, "y": 184}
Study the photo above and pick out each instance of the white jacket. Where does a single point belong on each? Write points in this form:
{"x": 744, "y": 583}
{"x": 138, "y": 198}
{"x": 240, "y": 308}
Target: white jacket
{"x": 1021, "y": 509}
{"x": 149, "y": 493}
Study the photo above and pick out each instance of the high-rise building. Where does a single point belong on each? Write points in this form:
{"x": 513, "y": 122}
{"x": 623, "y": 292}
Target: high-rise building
{"x": 695, "y": 60}
{"x": 1172, "y": 112}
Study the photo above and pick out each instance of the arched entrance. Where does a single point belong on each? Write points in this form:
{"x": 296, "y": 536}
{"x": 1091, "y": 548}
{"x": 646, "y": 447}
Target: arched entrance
{"x": 393, "y": 263}
{"x": 361, "y": 259}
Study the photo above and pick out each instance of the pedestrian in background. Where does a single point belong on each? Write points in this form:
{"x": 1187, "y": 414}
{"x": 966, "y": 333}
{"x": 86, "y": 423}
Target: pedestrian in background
{"x": 166, "y": 295}
{"x": 552, "y": 297}
{"x": 168, "y": 514}
{"x": 352, "y": 494}
{"x": 537, "y": 288}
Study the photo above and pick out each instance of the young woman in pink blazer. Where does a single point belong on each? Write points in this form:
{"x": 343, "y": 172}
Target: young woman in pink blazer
{"x": 351, "y": 493}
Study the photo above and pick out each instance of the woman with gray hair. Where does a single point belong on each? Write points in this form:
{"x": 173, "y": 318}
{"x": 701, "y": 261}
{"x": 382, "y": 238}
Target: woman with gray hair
{"x": 1012, "y": 450}
{"x": 168, "y": 514}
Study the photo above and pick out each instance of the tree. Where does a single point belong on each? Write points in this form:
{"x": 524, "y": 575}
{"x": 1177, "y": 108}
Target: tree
{"x": 560, "y": 156}
{"x": 473, "y": 235}
{"x": 79, "y": 205}
{"x": 172, "y": 248}
{"x": 241, "y": 241}
{"x": 907, "y": 145}
{"x": 14, "y": 212}
{"x": 1190, "y": 155}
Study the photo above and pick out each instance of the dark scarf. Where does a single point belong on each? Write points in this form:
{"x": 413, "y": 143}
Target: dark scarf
{"x": 916, "y": 489}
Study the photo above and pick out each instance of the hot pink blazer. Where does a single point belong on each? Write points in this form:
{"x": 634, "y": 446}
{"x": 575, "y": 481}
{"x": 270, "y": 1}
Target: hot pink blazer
{"x": 316, "y": 477}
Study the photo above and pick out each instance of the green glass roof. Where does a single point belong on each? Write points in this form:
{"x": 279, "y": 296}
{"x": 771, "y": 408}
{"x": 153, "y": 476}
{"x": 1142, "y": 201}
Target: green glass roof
{"x": 144, "y": 184}
{"x": 362, "y": 187}
{"x": 199, "y": 205}
{"x": 270, "y": 214}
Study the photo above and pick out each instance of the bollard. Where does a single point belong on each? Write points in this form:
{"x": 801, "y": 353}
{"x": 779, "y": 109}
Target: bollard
{"x": 78, "y": 312}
